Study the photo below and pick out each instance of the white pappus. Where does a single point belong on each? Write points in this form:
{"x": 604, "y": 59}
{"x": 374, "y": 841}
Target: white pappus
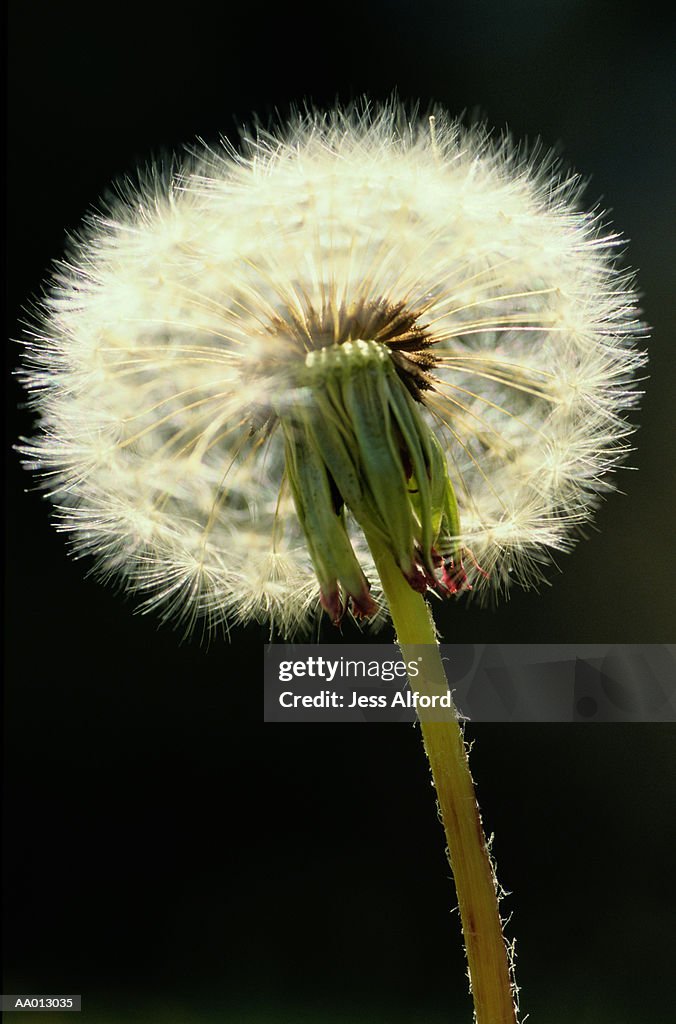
{"x": 173, "y": 361}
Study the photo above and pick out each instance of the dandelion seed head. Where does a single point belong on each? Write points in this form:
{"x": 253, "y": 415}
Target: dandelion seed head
{"x": 171, "y": 362}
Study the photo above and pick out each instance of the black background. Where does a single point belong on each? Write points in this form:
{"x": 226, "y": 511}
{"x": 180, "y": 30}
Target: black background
{"x": 168, "y": 855}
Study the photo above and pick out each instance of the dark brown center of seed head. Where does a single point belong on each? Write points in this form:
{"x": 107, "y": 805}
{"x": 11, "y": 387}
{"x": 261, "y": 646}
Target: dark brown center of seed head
{"x": 393, "y": 324}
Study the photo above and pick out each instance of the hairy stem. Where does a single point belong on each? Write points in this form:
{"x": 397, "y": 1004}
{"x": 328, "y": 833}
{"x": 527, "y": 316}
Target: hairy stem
{"x": 475, "y": 883}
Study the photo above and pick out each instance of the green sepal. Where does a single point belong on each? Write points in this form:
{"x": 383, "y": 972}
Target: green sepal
{"x": 324, "y": 527}
{"x": 356, "y": 438}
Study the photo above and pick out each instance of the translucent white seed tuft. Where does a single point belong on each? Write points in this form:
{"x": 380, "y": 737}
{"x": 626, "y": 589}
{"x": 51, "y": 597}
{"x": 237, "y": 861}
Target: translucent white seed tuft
{"x": 171, "y": 333}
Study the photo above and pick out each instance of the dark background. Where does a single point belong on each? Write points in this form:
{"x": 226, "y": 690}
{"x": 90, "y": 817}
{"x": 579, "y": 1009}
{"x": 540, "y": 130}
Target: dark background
{"x": 169, "y": 856}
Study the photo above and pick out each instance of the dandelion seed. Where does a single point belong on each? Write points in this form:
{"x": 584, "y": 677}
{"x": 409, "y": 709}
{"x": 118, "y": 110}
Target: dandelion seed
{"x": 359, "y": 328}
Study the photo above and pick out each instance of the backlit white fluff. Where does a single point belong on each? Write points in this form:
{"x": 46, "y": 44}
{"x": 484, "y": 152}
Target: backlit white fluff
{"x": 160, "y": 352}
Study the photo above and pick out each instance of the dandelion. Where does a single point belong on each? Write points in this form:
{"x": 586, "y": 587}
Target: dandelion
{"x": 229, "y": 315}
{"x": 362, "y": 359}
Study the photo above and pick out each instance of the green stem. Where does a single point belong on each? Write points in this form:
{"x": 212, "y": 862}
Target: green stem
{"x": 473, "y": 873}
